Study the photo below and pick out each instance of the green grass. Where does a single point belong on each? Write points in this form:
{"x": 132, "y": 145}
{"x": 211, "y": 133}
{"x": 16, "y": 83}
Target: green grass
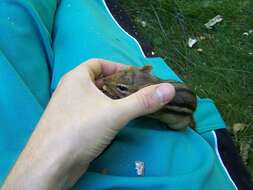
{"x": 224, "y": 70}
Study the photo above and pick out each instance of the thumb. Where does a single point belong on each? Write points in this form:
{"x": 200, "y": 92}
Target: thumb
{"x": 147, "y": 100}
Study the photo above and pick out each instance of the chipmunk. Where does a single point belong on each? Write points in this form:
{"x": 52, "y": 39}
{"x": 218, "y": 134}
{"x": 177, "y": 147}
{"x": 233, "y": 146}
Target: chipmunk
{"x": 177, "y": 114}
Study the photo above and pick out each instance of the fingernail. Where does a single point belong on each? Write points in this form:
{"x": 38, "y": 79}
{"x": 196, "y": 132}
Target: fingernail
{"x": 165, "y": 92}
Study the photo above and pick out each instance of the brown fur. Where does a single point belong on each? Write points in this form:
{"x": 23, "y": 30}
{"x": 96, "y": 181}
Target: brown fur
{"x": 177, "y": 114}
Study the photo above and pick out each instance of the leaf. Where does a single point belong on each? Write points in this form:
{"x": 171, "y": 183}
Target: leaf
{"x": 244, "y": 151}
{"x": 238, "y": 127}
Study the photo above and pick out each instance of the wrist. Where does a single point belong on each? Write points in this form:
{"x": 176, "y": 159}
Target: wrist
{"x": 61, "y": 163}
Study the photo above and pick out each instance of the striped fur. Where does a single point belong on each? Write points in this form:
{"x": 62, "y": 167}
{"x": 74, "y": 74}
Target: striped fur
{"x": 177, "y": 114}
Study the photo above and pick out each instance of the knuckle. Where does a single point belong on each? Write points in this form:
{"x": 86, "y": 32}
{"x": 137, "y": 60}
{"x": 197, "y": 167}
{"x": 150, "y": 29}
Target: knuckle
{"x": 67, "y": 77}
{"x": 144, "y": 102}
{"x": 92, "y": 60}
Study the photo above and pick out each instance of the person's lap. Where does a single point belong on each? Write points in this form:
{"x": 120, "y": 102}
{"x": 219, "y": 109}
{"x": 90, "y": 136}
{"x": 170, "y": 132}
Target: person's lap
{"x": 25, "y": 56}
{"x": 84, "y": 30}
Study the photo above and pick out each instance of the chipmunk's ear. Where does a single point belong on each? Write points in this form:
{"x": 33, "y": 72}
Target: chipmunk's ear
{"x": 146, "y": 68}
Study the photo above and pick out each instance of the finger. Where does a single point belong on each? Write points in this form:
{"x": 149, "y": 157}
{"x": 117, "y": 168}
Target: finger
{"x": 109, "y": 68}
{"x": 99, "y": 83}
{"x": 99, "y": 67}
{"x": 147, "y": 100}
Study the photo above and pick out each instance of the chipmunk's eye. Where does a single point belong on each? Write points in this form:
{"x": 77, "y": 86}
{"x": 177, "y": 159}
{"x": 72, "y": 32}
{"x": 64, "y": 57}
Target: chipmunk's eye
{"x": 122, "y": 88}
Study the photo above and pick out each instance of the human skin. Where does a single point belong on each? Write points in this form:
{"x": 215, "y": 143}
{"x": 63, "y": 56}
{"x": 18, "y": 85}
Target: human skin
{"x": 77, "y": 125}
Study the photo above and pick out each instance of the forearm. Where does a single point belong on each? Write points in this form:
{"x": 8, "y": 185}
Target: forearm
{"x": 47, "y": 162}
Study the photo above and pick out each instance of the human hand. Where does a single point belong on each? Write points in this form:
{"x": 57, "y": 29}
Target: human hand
{"x": 77, "y": 125}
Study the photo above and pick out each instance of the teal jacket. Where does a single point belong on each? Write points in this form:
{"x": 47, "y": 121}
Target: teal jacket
{"x": 32, "y": 61}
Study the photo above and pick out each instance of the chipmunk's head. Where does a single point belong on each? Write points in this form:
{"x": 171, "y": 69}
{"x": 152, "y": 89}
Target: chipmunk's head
{"x": 127, "y": 81}
{"x": 177, "y": 114}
